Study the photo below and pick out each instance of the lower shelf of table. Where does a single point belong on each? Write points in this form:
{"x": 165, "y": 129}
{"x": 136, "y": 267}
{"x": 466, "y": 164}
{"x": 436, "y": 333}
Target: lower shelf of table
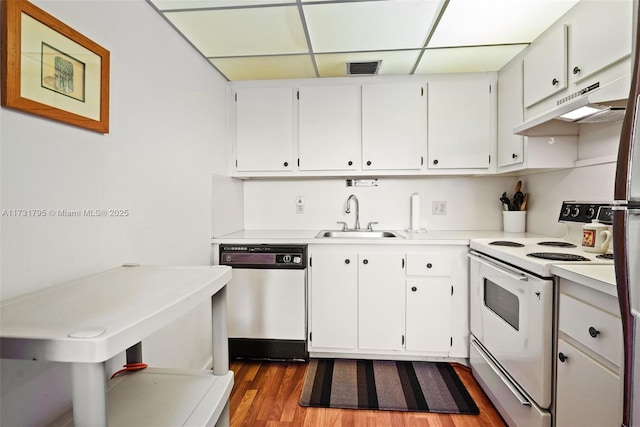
{"x": 164, "y": 397}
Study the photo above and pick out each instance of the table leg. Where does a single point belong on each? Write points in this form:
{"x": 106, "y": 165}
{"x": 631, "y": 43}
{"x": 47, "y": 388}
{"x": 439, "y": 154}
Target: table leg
{"x": 220, "y": 337}
{"x": 89, "y": 394}
{"x": 134, "y": 353}
{"x": 225, "y": 417}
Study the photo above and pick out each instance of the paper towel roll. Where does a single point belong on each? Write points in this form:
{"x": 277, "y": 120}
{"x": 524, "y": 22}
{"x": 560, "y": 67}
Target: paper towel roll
{"x": 415, "y": 212}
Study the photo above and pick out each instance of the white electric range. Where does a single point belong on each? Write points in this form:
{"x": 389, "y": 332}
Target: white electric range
{"x": 511, "y": 313}
{"x": 538, "y": 255}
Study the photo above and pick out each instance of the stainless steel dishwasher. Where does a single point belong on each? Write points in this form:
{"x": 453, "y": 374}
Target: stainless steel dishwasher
{"x": 267, "y": 301}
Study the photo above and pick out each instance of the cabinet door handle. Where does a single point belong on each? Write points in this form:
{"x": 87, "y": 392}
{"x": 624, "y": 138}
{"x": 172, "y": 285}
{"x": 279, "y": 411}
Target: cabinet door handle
{"x": 347, "y": 261}
{"x": 286, "y": 164}
{"x": 563, "y": 358}
{"x": 514, "y": 156}
{"x": 368, "y": 162}
{"x": 594, "y": 332}
{"x": 350, "y": 163}
{"x": 365, "y": 261}
{"x": 576, "y": 70}
{"x": 435, "y": 162}
{"x": 429, "y": 265}
{"x": 554, "y": 82}
{"x": 414, "y": 289}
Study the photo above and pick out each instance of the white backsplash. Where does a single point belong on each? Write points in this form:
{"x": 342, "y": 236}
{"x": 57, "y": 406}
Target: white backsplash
{"x": 548, "y": 191}
{"x": 472, "y": 203}
{"x": 598, "y": 142}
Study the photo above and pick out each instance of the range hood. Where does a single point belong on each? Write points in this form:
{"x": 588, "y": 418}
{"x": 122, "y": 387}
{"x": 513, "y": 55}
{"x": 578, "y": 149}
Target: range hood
{"x": 595, "y": 103}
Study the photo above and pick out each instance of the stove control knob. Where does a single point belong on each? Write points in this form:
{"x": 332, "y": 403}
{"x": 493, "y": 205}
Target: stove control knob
{"x": 286, "y": 258}
{"x": 591, "y": 213}
{"x": 566, "y": 211}
{"x": 576, "y": 212}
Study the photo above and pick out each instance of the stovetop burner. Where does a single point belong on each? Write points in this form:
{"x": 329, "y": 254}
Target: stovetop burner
{"x": 507, "y": 243}
{"x": 558, "y": 244}
{"x": 605, "y": 256}
{"x": 558, "y": 256}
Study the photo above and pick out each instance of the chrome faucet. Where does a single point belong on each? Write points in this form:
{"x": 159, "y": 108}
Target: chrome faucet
{"x": 348, "y": 209}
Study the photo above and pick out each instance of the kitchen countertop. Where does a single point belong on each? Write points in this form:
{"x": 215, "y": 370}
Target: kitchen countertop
{"x": 430, "y": 237}
{"x": 597, "y": 276}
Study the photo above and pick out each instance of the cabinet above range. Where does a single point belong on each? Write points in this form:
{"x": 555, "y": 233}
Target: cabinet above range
{"x": 365, "y": 126}
{"x": 582, "y": 59}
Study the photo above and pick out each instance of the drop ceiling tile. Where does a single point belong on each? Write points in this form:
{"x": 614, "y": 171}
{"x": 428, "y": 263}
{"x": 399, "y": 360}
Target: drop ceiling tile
{"x": 489, "y": 22}
{"x": 467, "y": 59}
{"x": 243, "y": 32}
{"x": 393, "y": 62}
{"x": 369, "y": 25}
{"x": 266, "y": 67}
{"x": 204, "y": 4}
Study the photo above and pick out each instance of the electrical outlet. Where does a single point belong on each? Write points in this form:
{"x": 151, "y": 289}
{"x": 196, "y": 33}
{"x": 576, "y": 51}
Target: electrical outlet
{"x": 439, "y": 207}
{"x": 299, "y": 205}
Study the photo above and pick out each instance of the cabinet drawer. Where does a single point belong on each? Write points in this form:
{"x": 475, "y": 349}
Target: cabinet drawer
{"x": 595, "y": 328}
{"x": 429, "y": 264}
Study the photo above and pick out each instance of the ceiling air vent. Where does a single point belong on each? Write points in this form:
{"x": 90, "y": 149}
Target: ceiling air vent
{"x": 369, "y": 68}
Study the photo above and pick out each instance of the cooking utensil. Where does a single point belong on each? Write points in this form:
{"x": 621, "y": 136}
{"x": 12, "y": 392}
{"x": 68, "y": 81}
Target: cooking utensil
{"x": 523, "y": 206}
{"x": 518, "y": 186}
{"x": 505, "y": 201}
{"x": 518, "y": 197}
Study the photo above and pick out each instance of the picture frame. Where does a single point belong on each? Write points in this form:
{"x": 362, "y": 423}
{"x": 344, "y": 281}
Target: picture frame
{"x": 51, "y": 70}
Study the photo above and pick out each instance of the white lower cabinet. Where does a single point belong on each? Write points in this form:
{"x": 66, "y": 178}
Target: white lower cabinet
{"x": 381, "y": 301}
{"x": 333, "y": 300}
{"x": 586, "y": 390}
{"x": 388, "y": 300}
{"x": 428, "y": 309}
{"x": 588, "y": 358}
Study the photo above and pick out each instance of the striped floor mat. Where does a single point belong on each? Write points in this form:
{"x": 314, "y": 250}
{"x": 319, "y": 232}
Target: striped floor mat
{"x": 386, "y": 385}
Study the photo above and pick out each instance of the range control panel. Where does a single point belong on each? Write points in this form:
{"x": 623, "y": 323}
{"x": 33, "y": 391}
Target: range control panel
{"x": 585, "y": 212}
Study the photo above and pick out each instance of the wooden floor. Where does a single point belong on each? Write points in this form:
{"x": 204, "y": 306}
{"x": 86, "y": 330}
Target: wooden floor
{"x": 266, "y": 394}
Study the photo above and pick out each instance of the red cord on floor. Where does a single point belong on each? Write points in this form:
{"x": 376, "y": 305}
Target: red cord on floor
{"x": 130, "y": 367}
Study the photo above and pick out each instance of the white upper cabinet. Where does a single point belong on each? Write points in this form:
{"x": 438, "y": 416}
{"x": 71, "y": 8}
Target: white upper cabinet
{"x": 460, "y": 114}
{"x": 517, "y": 152}
{"x": 510, "y": 114}
{"x": 394, "y": 126}
{"x": 600, "y": 35}
{"x": 264, "y": 129}
{"x": 545, "y": 66}
{"x": 329, "y": 128}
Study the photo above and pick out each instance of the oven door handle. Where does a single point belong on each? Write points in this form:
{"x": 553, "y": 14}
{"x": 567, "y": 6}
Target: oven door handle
{"x": 514, "y": 274}
{"x": 507, "y": 382}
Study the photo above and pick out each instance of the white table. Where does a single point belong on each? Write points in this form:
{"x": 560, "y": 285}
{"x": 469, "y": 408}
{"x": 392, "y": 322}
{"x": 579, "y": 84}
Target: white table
{"x": 86, "y": 322}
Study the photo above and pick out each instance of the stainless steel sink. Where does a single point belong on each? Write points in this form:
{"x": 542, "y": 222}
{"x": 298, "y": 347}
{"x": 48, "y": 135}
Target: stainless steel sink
{"x": 357, "y": 234}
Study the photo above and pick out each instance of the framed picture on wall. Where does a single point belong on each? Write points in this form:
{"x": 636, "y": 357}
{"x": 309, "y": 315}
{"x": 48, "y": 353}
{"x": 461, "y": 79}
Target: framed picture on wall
{"x": 51, "y": 70}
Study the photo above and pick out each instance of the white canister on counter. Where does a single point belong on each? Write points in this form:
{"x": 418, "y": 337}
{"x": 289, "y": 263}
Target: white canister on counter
{"x": 514, "y": 221}
{"x": 596, "y": 237}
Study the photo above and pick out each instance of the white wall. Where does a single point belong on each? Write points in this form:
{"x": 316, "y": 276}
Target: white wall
{"x": 587, "y": 182}
{"x": 472, "y": 203}
{"x": 168, "y": 137}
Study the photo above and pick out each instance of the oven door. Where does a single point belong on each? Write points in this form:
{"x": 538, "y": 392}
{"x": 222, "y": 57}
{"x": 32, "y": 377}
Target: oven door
{"x": 512, "y": 317}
